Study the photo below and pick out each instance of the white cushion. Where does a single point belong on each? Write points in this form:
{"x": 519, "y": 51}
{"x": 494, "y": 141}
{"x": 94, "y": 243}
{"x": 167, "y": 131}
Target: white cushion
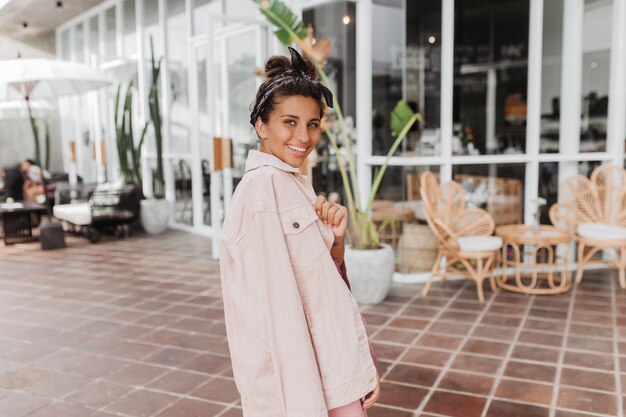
{"x": 479, "y": 243}
{"x": 78, "y": 213}
{"x": 601, "y": 231}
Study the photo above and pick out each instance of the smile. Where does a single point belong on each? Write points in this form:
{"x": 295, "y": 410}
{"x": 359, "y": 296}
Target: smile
{"x": 296, "y": 149}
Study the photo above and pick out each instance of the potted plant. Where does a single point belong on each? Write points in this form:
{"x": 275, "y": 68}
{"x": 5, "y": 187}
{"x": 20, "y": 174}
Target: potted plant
{"x": 155, "y": 211}
{"x": 370, "y": 264}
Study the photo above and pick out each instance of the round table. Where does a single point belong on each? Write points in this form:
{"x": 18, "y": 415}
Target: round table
{"x": 534, "y": 259}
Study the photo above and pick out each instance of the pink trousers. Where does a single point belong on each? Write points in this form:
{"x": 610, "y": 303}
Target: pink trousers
{"x": 350, "y": 410}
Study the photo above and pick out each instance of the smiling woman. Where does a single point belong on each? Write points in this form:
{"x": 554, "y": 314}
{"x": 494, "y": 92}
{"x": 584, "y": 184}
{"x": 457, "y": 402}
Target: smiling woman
{"x": 297, "y": 341}
{"x": 292, "y": 130}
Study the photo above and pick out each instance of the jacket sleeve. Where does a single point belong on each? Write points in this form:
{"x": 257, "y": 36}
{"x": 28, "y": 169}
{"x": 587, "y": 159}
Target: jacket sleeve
{"x": 298, "y": 382}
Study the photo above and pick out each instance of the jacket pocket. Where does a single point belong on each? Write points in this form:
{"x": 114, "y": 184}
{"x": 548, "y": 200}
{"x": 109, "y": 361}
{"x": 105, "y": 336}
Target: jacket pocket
{"x": 302, "y": 236}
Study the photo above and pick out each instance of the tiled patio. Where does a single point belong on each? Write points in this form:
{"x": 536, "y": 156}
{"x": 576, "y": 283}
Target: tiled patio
{"x": 135, "y": 328}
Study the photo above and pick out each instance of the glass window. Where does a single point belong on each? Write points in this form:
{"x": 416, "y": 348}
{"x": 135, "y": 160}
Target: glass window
{"x": 398, "y": 213}
{"x": 422, "y": 75}
{"x": 183, "y": 204}
{"x": 497, "y": 188}
{"x": 177, "y": 72}
{"x": 79, "y": 43}
{"x": 401, "y": 183}
{"x": 151, "y": 27}
{"x": 129, "y": 35}
{"x": 94, "y": 41}
{"x": 110, "y": 48}
{"x": 335, "y": 21}
{"x": 202, "y": 9}
{"x": 240, "y": 8}
{"x": 387, "y": 57}
{"x": 65, "y": 44}
{"x": 490, "y": 76}
{"x": 552, "y": 45}
{"x": 597, "y": 25}
{"x": 203, "y": 129}
{"x": 241, "y": 52}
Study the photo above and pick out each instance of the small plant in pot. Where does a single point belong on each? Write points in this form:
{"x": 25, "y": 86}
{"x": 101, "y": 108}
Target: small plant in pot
{"x": 369, "y": 263}
{"x": 155, "y": 211}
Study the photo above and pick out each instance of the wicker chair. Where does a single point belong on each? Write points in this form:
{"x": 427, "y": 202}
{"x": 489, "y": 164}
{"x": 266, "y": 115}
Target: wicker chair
{"x": 594, "y": 212}
{"x": 464, "y": 234}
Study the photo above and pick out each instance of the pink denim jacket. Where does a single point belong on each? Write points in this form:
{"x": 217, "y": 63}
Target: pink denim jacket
{"x": 297, "y": 342}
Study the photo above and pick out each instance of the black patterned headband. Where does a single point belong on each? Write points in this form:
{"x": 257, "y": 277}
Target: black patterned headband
{"x": 297, "y": 70}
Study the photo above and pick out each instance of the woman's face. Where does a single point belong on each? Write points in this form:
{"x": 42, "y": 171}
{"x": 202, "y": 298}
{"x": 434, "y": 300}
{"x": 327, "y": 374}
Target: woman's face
{"x": 292, "y": 131}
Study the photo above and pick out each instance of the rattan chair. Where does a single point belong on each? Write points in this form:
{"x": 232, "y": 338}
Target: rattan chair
{"x": 466, "y": 244}
{"x": 594, "y": 212}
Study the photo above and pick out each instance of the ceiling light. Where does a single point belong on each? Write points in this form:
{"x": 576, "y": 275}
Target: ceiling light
{"x": 432, "y": 39}
{"x": 346, "y": 19}
{"x": 594, "y": 64}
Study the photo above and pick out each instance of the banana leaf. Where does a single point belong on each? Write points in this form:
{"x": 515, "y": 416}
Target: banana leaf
{"x": 287, "y": 22}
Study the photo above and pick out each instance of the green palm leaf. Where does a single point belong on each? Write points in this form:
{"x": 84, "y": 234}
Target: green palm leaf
{"x": 288, "y": 23}
{"x": 400, "y": 117}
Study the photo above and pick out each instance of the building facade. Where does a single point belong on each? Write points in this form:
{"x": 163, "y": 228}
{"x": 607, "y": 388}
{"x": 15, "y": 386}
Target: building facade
{"x": 527, "y": 92}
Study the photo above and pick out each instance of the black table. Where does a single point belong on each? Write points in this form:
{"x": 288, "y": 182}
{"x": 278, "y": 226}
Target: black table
{"x": 19, "y": 223}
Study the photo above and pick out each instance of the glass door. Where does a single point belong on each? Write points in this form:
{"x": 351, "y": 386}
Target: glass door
{"x": 239, "y": 50}
{"x": 223, "y": 81}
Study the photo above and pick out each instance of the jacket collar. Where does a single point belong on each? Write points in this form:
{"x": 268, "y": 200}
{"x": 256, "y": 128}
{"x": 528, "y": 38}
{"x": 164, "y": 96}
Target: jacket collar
{"x": 258, "y": 159}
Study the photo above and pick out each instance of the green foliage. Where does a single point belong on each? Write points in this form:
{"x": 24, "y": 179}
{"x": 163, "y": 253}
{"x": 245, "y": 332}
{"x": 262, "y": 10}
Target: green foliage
{"x": 33, "y": 126}
{"x": 128, "y": 152}
{"x": 47, "y": 148}
{"x": 45, "y": 162}
{"x": 155, "y": 117}
{"x": 362, "y": 231}
{"x": 288, "y": 23}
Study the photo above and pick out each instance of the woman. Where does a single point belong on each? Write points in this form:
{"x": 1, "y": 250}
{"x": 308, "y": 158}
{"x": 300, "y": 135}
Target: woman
{"x": 297, "y": 341}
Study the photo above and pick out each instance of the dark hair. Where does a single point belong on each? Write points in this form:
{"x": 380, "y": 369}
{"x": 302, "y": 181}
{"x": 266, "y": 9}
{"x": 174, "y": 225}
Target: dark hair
{"x": 30, "y": 161}
{"x": 284, "y": 78}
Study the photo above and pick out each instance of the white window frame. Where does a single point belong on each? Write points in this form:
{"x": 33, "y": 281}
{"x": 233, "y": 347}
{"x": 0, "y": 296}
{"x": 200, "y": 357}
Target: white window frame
{"x": 570, "y": 121}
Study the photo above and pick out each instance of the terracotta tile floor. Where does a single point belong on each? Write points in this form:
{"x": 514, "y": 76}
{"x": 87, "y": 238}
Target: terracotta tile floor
{"x": 135, "y": 328}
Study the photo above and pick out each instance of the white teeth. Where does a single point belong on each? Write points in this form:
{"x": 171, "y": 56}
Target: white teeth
{"x": 293, "y": 148}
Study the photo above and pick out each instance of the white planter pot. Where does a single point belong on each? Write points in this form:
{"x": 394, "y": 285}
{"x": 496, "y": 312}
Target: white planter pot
{"x": 155, "y": 215}
{"x": 370, "y": 272}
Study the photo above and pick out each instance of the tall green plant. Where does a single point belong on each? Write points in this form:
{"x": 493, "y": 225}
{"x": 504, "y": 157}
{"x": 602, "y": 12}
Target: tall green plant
{"x": 155, "y": 117}
{"x": 362, "y": 231}
{"x": 45, "y": 161}
{"x": 128, "y": 153}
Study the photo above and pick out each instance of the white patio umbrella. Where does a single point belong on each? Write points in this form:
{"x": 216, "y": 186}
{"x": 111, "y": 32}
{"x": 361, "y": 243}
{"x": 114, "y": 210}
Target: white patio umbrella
{"x": 46, "y": 79}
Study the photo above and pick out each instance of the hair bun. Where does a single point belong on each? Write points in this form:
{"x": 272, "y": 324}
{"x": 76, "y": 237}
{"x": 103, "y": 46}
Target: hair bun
{"x": 278, "y": 65}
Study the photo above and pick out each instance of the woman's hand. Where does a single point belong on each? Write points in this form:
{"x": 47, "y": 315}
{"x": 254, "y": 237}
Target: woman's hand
{"x": 372, "y": 397}
{"x": 334, "y": 215}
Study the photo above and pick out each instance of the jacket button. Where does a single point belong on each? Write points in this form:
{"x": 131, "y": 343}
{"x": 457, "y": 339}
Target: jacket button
{"x": 296, "y": 225}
